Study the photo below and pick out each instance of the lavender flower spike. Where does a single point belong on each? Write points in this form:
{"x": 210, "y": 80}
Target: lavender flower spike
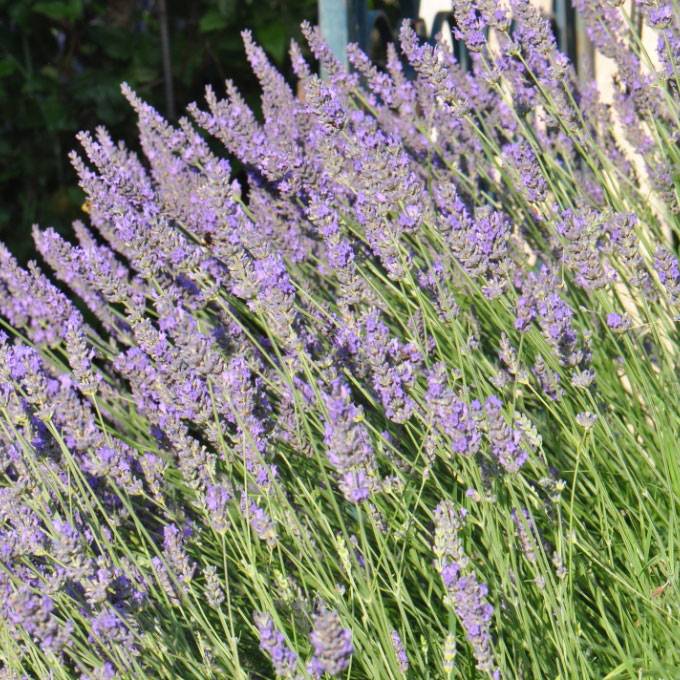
{"x": 349, "y": 445}
{"x": 465, "y": 593}
{"x": 400, "y": 651}
{"x": 332, "y": 645}
{"x": 273, "y": 643}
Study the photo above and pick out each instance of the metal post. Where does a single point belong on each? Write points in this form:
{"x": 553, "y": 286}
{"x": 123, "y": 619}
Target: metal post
{"x": 341, "y": 22}
{"x": 585, "y": 53}
{"x": 345, "y": 21}
{"x": 565, "y": 20}
{"x": 410, "y": 9}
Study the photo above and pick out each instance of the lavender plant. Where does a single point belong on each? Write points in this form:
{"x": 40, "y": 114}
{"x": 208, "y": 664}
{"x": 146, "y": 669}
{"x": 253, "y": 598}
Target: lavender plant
{"x": 405, "y": 406}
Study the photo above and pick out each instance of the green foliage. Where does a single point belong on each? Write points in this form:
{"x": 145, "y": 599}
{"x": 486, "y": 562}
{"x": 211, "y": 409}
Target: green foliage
{"x": 61, "y": 65}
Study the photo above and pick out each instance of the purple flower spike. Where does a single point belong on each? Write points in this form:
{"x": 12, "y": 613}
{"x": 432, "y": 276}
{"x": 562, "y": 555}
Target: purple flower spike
{"x": 348, "y": 443}
{"x": 178, "y": 560}
{"x": 108, "y": 628}
{"x": 522, "y": 160}
{"x": 332, "y": 645}
{"x": 261, "y": 523}
{"x": 399, "y": 651}
{"x": 453, "y": 417}
{"x": 474, "y": 613}
{"x": 273, "y": 643}
{"x": 510, "y": 445}
{"x": 34, "y": 614}
{"x": 527, "y": 532}
{"x": 394, "y": 366}
{"x": 464, "y": 592}
{"x": 668, "y": 269}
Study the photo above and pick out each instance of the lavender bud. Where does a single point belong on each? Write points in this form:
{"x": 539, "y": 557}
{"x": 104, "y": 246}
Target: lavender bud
{"x": 400, "y": 651}
{"x": 526, "y": 530}
{"x": 449, "y": 653}
{"x": 214, "y": 594}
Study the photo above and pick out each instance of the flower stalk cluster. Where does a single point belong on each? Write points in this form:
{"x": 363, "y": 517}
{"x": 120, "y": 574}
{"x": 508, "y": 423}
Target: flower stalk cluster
{"x": 434, "y": 285}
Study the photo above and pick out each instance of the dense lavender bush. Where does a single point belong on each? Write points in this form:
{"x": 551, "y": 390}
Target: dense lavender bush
{"x": 408, "y": 407}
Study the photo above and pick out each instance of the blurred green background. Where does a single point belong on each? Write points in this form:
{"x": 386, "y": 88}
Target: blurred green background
{"x": 61, "y": 63}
